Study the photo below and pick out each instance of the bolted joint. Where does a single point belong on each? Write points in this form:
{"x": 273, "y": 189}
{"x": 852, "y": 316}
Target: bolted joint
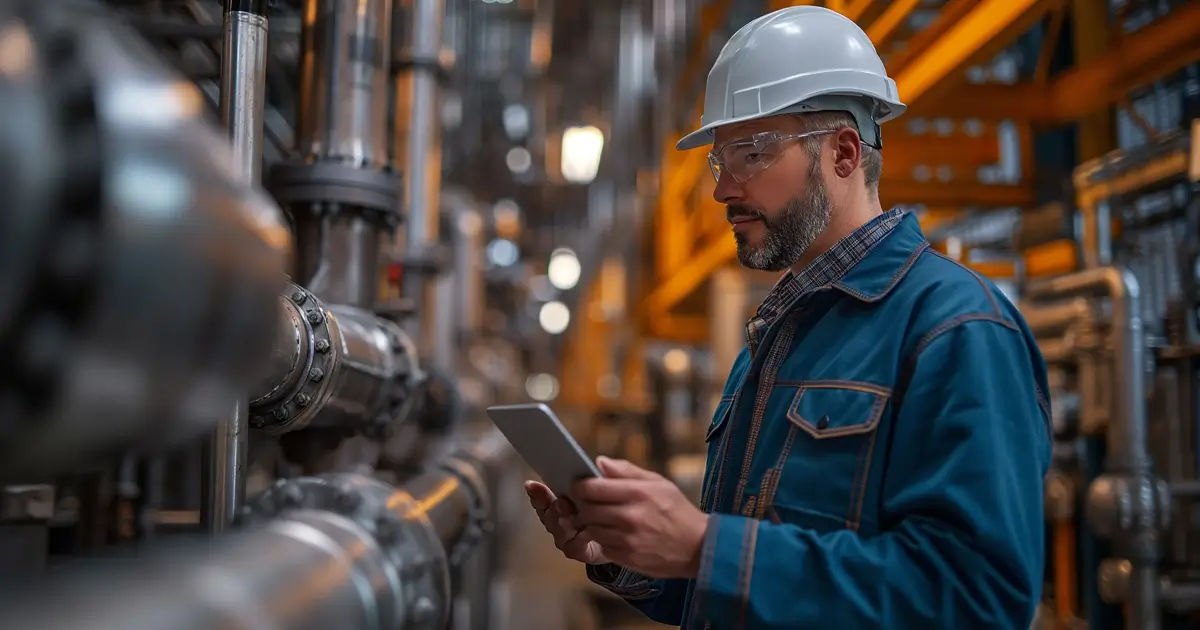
{"x": 1121, "y": 506}
{"x": 346, "y": 499}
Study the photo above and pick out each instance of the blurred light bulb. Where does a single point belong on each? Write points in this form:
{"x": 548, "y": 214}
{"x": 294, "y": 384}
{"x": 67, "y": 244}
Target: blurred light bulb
{"x": 554, "y": 317}
{"x": 519, "y": 160}
{"x": 581, "y": 151}
{"x": 564, "y": 269}
{"x": 542, "y": 387}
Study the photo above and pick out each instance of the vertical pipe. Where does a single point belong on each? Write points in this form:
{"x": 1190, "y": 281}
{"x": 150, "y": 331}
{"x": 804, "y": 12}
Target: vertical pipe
{"x": 417, "y": 145}
{"x": 344, "y": 82}
{"x": 1128, "y": 456}
{"x": 243, "y": 82}
{"x": 243, "y": 99}
{"x": 341, "y": 128}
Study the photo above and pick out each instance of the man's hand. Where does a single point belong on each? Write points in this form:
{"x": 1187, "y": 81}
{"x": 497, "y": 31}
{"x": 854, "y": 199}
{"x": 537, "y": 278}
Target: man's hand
{"x": 555, "y": 514}
{"x": 641, "y": 520}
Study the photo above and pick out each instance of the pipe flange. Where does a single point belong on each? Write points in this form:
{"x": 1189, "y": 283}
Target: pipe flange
{"x": 1129, "y": 508}
{"x": 433, "y": 65}
{"x": 296, "y": 410}
{"x": 335, "y": 187}
{"x": 479, "y": 512}
{"x": 418, "y": 566}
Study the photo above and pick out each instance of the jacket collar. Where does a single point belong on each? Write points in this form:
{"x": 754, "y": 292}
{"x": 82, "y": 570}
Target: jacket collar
{"x": 887, "y": 264}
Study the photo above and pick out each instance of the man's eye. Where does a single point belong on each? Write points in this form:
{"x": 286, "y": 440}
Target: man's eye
{"x": 752, "y": 158}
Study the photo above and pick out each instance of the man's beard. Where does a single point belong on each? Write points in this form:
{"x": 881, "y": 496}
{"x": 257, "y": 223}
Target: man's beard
{"x": 789, "y": 234}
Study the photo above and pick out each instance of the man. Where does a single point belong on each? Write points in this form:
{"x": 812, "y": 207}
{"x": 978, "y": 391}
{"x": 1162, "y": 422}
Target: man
{"x": 876, "y": 460}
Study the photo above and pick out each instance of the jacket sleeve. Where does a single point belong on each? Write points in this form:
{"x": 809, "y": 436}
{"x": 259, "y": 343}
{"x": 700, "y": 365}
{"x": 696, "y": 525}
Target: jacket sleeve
{"x": 659, "y": 600}
{"x": 962, "y": 540}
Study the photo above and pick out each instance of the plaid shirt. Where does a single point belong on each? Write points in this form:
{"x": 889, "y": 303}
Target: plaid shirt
{"x": 828, "y": 268}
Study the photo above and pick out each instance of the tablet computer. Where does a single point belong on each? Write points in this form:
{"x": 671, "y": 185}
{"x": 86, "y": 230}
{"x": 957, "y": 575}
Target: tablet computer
{"x": 542, "y": 441}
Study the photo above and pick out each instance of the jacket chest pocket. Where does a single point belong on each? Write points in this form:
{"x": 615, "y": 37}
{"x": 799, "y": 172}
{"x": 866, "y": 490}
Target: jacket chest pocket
{"x": 821, "y": 477}
{"x": 712, "y": 440}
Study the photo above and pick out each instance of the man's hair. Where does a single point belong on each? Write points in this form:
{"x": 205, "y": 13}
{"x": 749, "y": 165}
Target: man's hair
{"x": 872, "y": 159}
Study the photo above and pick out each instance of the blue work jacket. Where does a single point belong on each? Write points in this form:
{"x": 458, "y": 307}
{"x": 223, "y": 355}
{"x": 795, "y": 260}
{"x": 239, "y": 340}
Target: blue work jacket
{"x": 894, "y": 480}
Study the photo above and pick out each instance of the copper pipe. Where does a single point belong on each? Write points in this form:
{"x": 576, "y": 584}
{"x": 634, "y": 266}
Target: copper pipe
{"x": 1065, "y": 579}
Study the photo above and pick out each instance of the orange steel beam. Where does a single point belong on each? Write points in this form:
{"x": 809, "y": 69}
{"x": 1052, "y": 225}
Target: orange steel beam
{"x": 1163, "y": 47}
{"x": 1137, "y": 60}
{"x": 884, "y": 28}
{"x": 860, "y": 10}
{"x": 722, "y": 249}
{"x": 783, "y": 4}
{"x": 674, "y": 236}
{"x": 948, "y": 16}
{"x": 953, "y": 194}
{"x": 902, "y": 154}
{"x": 983, "y": 31}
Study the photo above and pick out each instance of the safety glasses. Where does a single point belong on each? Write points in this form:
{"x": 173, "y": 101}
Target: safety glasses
{"x": 743, "y": 159}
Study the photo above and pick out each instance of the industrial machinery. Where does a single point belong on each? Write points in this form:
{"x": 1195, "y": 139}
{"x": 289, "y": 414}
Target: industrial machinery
{"x": 186, "y": 356}
{"x": 1120, "y": 337}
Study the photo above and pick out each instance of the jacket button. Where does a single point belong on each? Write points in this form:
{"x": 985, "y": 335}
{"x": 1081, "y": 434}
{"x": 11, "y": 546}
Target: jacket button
{"x": 823, "y": 423}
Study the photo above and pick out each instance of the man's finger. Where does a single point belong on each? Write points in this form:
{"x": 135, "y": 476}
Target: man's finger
{"x": 617, "y": 517}
{"x": 622, "y": 469}
{"x": 540, "y": 497}
{"x": 607, "y": 490}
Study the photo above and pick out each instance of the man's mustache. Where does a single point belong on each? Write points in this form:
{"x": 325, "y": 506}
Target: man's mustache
{"x": 743, "y": 212}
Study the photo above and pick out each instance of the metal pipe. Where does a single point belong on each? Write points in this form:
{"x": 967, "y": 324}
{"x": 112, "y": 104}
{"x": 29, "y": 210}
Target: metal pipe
{"x": 243, "y": 101}
{"x": 340, "y": 551}
{"x": 342, "y": 191}
{"x": 142, "y": 361}
{"x": 1127, "y": 437}
{"x": 337, "y": 367}
{"x": 1127, "y": 502}
{"x": 417, "y": 146}
{"x": 1045, "y": 321}
{"x": 244, "y": 83}
{"x": 344, "y": 82}
{"x": 223, "y": 458}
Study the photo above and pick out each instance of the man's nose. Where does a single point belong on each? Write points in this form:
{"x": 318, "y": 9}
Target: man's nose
{"x": 728, "y": 190}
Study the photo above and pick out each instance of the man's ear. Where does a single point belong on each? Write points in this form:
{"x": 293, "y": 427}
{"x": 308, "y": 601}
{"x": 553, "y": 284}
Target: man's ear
{"x": 847, "y": 152}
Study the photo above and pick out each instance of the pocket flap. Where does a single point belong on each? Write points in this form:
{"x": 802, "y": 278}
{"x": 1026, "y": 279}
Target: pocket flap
{"x": 830, "y": 409}
{"x": 720, "y": 416}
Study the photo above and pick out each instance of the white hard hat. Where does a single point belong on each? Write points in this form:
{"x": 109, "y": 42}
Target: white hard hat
{"x": 797, "y": 60}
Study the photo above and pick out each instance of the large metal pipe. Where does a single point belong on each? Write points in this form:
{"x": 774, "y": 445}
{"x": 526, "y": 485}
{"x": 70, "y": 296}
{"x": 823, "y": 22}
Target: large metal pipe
{"x": 1126, "y": 504}
{"x": 156, "y": 263}
{"x": 1127, "y": 437}
{"x": 344, "y": 82}
{"x": 417, "y": 147}
{"x": 342, "y": 192}
{"x": 243, "y": 101}
{"x": 335, "y": 366}
{"x": 342, "y": 551}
